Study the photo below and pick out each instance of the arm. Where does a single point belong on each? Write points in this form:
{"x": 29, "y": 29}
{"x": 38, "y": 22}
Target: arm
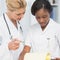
{"x": 25, "y": 50}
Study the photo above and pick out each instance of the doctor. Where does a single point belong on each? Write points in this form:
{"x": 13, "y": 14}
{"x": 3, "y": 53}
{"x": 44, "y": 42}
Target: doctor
{"x": 11, "y": 32}
{"x": 43, "y": 37}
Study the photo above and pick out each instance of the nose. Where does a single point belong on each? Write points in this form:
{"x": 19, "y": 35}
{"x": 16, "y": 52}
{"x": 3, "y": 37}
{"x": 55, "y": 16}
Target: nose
{"x": 41, "y": 20}
{"x": 21, "y": 16}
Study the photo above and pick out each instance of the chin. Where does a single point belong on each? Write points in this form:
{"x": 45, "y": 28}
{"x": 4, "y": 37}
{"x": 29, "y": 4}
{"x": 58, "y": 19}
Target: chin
{"x": 43, "y": 25}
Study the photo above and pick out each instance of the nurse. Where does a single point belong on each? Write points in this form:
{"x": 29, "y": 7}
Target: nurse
{"x": 11, "y": 39}
{"x": 44, "y": 36}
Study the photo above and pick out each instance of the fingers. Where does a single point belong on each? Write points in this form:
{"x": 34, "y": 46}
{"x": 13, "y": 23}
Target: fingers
{"x": 14, "y": 44}
{"x": 14, "y": 47}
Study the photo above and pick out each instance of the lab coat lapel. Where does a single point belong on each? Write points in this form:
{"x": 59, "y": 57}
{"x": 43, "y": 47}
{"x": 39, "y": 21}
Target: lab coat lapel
{"x": 47, "y": 27}
{"x": 14, "y": 31}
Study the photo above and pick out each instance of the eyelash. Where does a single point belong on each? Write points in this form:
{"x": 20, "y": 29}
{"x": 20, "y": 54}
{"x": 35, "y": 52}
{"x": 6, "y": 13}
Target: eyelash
{"x": 41, "y": 17}
{"x": 20, "y": 14}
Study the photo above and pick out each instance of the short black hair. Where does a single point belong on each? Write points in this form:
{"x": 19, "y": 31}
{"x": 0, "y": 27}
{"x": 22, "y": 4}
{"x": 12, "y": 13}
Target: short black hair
{"x": 38, "y": 4}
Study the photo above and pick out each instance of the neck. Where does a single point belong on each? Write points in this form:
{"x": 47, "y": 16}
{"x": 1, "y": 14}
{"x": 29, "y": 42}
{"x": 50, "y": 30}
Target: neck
{"x": 43, "y": 28}
{"x": 12, "y": 20}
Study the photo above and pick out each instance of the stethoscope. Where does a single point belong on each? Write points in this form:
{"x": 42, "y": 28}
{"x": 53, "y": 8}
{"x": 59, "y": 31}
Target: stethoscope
{"x": 8, "y": 26}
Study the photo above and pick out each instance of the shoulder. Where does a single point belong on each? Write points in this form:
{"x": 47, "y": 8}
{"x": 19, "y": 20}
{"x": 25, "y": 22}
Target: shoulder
{"x": 55, "y": 24}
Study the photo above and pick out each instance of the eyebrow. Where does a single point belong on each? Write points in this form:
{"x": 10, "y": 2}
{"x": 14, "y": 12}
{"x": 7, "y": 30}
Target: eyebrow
{"x": 20, "y": 13}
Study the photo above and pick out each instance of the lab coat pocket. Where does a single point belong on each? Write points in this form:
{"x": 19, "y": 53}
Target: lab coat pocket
{"x": 52, "y": 43}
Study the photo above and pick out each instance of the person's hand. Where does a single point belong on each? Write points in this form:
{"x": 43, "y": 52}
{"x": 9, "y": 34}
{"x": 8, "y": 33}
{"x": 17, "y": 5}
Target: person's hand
{"x": 26, "y": 49}
{"x": 14, "y": 44}
{"x": 57, "y": 58}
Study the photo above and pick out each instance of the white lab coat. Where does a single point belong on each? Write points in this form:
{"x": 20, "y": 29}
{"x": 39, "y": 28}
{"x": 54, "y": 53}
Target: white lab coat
{"x": 16, "y": 33}
{"x": 44, "y": 41}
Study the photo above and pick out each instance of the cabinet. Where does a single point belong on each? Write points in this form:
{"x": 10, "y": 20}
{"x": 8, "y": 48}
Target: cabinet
{"x": 54, "y": 3}
{"x": 54, "y": 13}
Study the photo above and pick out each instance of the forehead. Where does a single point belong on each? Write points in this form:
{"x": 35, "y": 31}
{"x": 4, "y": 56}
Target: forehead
{"x": 21, "y": 10}
{"x": 42, "y": 12}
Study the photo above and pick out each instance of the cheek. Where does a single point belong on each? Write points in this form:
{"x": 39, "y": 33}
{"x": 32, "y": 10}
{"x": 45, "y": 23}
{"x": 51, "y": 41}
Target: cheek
{"x": 46, "y": 20}
{"x": 15, "y": 16}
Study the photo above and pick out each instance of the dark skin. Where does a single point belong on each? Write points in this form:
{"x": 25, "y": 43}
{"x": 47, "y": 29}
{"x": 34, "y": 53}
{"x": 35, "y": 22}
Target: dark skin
{"x": 42, "y": 16}
{"x": 25, "y": 50}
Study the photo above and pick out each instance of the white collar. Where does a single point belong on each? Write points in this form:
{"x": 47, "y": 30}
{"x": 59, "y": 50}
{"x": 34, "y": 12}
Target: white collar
{"x": 48, "y": 26}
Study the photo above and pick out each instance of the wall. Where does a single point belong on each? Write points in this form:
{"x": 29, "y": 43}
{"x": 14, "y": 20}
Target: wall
{"x": 58, "y": 11}
{"x": 2, "y": 6}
